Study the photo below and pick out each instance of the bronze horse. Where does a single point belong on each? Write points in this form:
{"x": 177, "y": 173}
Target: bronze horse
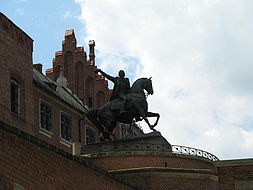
{"x": 106, "y": 117}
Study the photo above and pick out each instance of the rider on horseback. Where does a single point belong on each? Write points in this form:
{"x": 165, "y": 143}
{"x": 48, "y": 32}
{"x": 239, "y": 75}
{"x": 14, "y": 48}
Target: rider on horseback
{"x": 121, "y": 86}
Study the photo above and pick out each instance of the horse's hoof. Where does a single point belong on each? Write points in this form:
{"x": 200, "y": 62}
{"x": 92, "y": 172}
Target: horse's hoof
{"x": 152, "y": 127}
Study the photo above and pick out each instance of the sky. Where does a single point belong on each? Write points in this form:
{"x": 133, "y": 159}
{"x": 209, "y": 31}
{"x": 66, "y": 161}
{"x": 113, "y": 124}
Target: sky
{"x": 198, "y": 52}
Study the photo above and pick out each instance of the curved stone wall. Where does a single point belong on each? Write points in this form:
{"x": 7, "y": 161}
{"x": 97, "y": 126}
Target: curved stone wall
{"x": 154, "y": 170}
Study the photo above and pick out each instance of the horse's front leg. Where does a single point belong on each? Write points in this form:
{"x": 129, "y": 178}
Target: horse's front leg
{"x": 151, "y": 114}
{"x": 142, "y": 114}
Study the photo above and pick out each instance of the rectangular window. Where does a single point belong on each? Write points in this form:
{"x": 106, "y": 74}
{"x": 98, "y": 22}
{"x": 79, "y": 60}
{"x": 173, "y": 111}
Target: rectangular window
{"x": 45, "y": 116}
{"x": 90, "y": 135}
{"x": 15, "y": 97}
{"x": 65, "y": 126}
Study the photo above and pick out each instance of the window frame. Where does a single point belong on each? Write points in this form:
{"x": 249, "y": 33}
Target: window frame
{"x": 18, "y": 102}
{"x": 43, "y": 129}
{"x": 62, "y": 113}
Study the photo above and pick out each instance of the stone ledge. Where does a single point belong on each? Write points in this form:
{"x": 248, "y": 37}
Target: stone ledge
{"x": 163, "y": 169}
{"x": 238, "y": 162}
{"x": 167, "y": 172}
{"x": 145, "y": 153}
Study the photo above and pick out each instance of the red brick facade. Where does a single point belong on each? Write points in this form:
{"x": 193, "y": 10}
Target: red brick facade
{"x": 33, "y": 164}
{"x": 161, "y": 181}
{"x": 145, "y": 159}
{"x": 54, "y": 137}
{"x": 233, "y": 172}
{"x": 16, "y": 63}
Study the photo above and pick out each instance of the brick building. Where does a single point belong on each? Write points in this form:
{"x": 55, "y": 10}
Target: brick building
{"x": 43, "y": 125}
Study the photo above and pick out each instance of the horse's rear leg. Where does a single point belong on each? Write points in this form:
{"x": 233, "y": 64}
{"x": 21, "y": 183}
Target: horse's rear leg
{"x": 151, "y": 114}
{"x": 109, "y": 124}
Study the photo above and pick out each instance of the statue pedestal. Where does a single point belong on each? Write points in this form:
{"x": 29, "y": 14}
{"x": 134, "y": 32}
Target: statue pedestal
{"x": 153, "y": 142}
{"x": 148, "y": 162}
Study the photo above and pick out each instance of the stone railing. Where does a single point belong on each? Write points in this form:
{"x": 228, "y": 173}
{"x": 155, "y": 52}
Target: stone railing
{"x": 177, "y": 149}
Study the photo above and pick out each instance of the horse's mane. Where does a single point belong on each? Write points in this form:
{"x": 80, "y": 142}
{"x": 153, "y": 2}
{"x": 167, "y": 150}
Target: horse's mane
{"x": 139, "y": 80}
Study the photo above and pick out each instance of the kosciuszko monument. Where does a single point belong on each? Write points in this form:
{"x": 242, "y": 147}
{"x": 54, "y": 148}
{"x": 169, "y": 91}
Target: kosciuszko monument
{"x": 127, "y": 104}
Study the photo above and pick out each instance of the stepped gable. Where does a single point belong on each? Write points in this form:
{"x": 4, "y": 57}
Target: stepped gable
{"x": 80, "y": 71}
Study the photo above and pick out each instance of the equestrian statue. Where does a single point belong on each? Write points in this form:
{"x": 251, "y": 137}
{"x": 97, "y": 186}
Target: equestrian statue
{"x": 126, "y": 105}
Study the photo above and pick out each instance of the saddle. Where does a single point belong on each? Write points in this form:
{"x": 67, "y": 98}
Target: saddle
{"x": 117, "y": 104}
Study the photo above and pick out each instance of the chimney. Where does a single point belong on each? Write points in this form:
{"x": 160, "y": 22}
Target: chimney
{"x": 92, "y": 52}
{"x": 38, "y": 67}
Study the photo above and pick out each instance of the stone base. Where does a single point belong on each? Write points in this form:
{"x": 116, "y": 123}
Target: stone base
{"x": 153, "y": 142}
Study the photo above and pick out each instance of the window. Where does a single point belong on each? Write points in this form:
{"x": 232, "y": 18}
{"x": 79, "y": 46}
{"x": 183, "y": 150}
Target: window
{"x": 90, "y": 135}
{"x": 45, "y": 115}
{"x": 15, "y": 97}
{"x": 65, "y": 126}
{"x": 123, "y": 131}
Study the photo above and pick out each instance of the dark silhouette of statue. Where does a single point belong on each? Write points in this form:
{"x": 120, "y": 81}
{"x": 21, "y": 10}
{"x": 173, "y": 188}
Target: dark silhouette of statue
{"x": 120, "y": 89}
{"x": 133, "y": 100}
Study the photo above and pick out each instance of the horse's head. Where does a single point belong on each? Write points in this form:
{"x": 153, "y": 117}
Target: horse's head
{"x": 147, "y": 85}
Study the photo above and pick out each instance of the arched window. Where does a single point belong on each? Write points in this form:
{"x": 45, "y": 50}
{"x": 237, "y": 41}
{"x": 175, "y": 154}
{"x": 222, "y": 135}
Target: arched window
{"x": 15, "y": 96}
{"x": 78, "y": 80}
{"x": 100, "y": 98}
{"x": 89, "y": 91}
{"x": 68, "y": 67}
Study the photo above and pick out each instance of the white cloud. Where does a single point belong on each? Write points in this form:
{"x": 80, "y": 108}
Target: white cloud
{"x": 199, "y": 53}
{"x": 67, "y": 14}
{"x": 20, "y": 11}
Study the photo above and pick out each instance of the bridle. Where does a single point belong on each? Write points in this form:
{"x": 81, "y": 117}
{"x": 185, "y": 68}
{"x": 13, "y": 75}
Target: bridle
{"x": 147, "y": 94}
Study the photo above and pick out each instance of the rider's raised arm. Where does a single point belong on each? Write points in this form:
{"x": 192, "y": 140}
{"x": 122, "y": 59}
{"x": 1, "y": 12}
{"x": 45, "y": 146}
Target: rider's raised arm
{"x": 107, "y": 76}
